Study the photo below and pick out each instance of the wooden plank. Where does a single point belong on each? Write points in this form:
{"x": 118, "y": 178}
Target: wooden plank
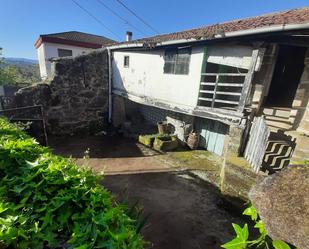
{"x": 205, "y": 99}
{"x": 248, "y": 80}
{"x": 220, "y": 92}
{"x": 214, "y": 95}
{"x": 220, "y": 139}
{"x": 224, "y": 74}
{"x": 264, "y": 140}
{"x": 229, "y": 93}
{"x": 206, "y": 91}
{"x": 203, "y": 69}
{"x": 208, "y": 83}
{"x": 226, "y": 101}
{"x": 212, "y": 136}
{"x": 222, "y": 84}
{"x": 231, "y": 84}
{"x": 250, "y": 142}
{"x": 256, "y": 146}
{"x": 220, "y": 111}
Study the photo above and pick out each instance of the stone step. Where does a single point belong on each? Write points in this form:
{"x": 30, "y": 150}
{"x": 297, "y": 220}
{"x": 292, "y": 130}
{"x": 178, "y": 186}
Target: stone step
{"x": 277, "y": 112}
{"x": 277, "y": 119}
{"x": 277, "y": 125}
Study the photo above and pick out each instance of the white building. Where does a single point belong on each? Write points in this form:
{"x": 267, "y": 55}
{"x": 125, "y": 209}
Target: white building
{"x": 65, "y": 44}
{"x": 216, "y": 76}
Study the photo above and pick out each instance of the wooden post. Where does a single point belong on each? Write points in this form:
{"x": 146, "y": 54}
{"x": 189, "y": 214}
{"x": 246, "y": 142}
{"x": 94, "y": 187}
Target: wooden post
{"x": 203, "y": 70}
{"x": 214, "y": 94}
{"x": 248, "y": 80}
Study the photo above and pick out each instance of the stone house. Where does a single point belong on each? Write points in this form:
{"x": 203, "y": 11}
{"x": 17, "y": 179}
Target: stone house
{"x": 65, "y": 44}
{"x": 218, "y": 77}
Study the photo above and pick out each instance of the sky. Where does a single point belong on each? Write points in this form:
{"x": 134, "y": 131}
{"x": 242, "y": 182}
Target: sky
{"x": 22, "y": 21}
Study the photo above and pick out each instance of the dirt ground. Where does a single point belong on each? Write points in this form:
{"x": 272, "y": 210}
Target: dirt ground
{"x": 119, "y": 155}
{"x": 111, "y": 154}
{"x": 184, "y": 212}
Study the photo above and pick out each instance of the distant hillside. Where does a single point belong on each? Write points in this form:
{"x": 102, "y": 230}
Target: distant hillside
{"x": 20, "y": 61}
{"x": 27, "y": 70}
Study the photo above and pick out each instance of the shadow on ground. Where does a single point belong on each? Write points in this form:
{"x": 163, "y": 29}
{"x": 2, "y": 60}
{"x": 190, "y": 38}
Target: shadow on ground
{"x": 99, "y": 146}
{"x": 185, "y": 213}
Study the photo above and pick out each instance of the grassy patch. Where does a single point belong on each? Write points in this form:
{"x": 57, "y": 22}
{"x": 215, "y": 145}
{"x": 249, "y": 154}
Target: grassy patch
{"x": 238, "y": 161}
{"x": 197, "y": 159}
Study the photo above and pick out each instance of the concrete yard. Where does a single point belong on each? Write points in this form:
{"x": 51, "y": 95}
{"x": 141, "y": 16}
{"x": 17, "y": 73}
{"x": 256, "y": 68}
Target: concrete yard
{"x": 111, "y": 154}
{"x": 119, "y": 155}
{"x": 185, "y": 212}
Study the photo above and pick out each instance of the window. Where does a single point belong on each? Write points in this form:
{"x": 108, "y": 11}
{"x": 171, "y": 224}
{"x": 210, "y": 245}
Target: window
{"x": 126, "y": 61}
{"x": 177, "y": 61}
{"x": 221, "y": 86}
{"x": 64, "y": 52}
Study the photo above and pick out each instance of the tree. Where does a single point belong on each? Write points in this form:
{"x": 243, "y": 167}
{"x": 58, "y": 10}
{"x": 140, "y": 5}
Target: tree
{"x": 8, "y": 74}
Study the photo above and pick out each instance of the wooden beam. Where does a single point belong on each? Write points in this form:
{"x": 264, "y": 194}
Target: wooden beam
{"x": 248, "y": 80}
{"x": 229, "y": 93}
{"x": 205, "y": 99}
{"x": 227, "y": 101}
{"x": 220, "y": 92}
{"x": 214, "y": 95}
{"x": 222, "y": 84}
{"x": 224, "y": 74}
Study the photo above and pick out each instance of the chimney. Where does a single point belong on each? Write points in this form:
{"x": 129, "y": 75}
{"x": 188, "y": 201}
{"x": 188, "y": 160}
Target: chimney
{"x": 129, "y": 36}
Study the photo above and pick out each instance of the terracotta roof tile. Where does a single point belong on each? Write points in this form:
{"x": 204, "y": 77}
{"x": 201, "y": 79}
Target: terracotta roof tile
{"x": 294, "y": 16}
{"x": 81, "y": 37}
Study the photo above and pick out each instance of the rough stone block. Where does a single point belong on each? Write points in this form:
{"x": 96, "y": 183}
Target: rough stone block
{"x": 147, "y": 139}
{"x": 237, "y": 177}
{"x": 165, "y": 143}
{"x": 74, "y": 95}
{"x": 282, "y": 202}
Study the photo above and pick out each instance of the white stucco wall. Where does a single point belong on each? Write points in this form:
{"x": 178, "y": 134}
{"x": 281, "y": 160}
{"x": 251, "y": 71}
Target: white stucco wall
{"x": 145, "y": 82}
{"x": 144, "y": 78}
{"x": 50, "y": 50}
{"x": 42, "y": 62}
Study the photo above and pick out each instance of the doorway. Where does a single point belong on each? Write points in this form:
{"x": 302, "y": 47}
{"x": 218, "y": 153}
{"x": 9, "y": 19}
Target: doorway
{"x": 288, "y": 70}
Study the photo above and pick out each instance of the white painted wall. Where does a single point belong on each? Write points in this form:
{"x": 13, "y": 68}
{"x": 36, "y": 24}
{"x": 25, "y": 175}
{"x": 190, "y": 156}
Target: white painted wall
{"x": 144, "y": 78}
{"x": 144, "y": 81}
{"x": 50, "y": 50}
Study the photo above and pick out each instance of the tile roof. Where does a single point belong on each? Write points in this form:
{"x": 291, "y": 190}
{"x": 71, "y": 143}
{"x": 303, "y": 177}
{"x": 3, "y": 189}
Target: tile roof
{"x": 78, "y": 38}
{"x": 293, "y": 16}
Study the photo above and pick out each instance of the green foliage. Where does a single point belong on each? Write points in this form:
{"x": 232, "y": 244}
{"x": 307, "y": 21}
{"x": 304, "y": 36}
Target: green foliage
{"x": 241, "y": 239}
{"x": 18, "y": 74}
{"x": 27, "y": 74}
{"x": 263, "y": 241}
{"x": 278, "y": 244}
{"x": 7, "y": 73}
{"x": 46, "y": 201}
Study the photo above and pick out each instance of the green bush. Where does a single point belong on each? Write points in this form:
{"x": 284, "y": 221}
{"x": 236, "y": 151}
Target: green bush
{"x": 46, "y": 201}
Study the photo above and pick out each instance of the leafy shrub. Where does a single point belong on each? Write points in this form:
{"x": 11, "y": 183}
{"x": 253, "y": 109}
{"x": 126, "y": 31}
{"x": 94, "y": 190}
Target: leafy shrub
{"x": 263, "y": 241}
{"x": 46, "y": 201}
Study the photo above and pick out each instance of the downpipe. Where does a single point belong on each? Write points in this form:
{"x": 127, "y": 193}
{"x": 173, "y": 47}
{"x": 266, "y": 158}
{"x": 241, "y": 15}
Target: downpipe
{"x": 110, "y": 101}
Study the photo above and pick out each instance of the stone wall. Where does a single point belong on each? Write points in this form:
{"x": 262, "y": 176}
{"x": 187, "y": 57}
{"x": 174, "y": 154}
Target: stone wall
{"x": 301, "y": 103}
{"x": 76, "y": 98}
{"x": 282, "y": 202}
